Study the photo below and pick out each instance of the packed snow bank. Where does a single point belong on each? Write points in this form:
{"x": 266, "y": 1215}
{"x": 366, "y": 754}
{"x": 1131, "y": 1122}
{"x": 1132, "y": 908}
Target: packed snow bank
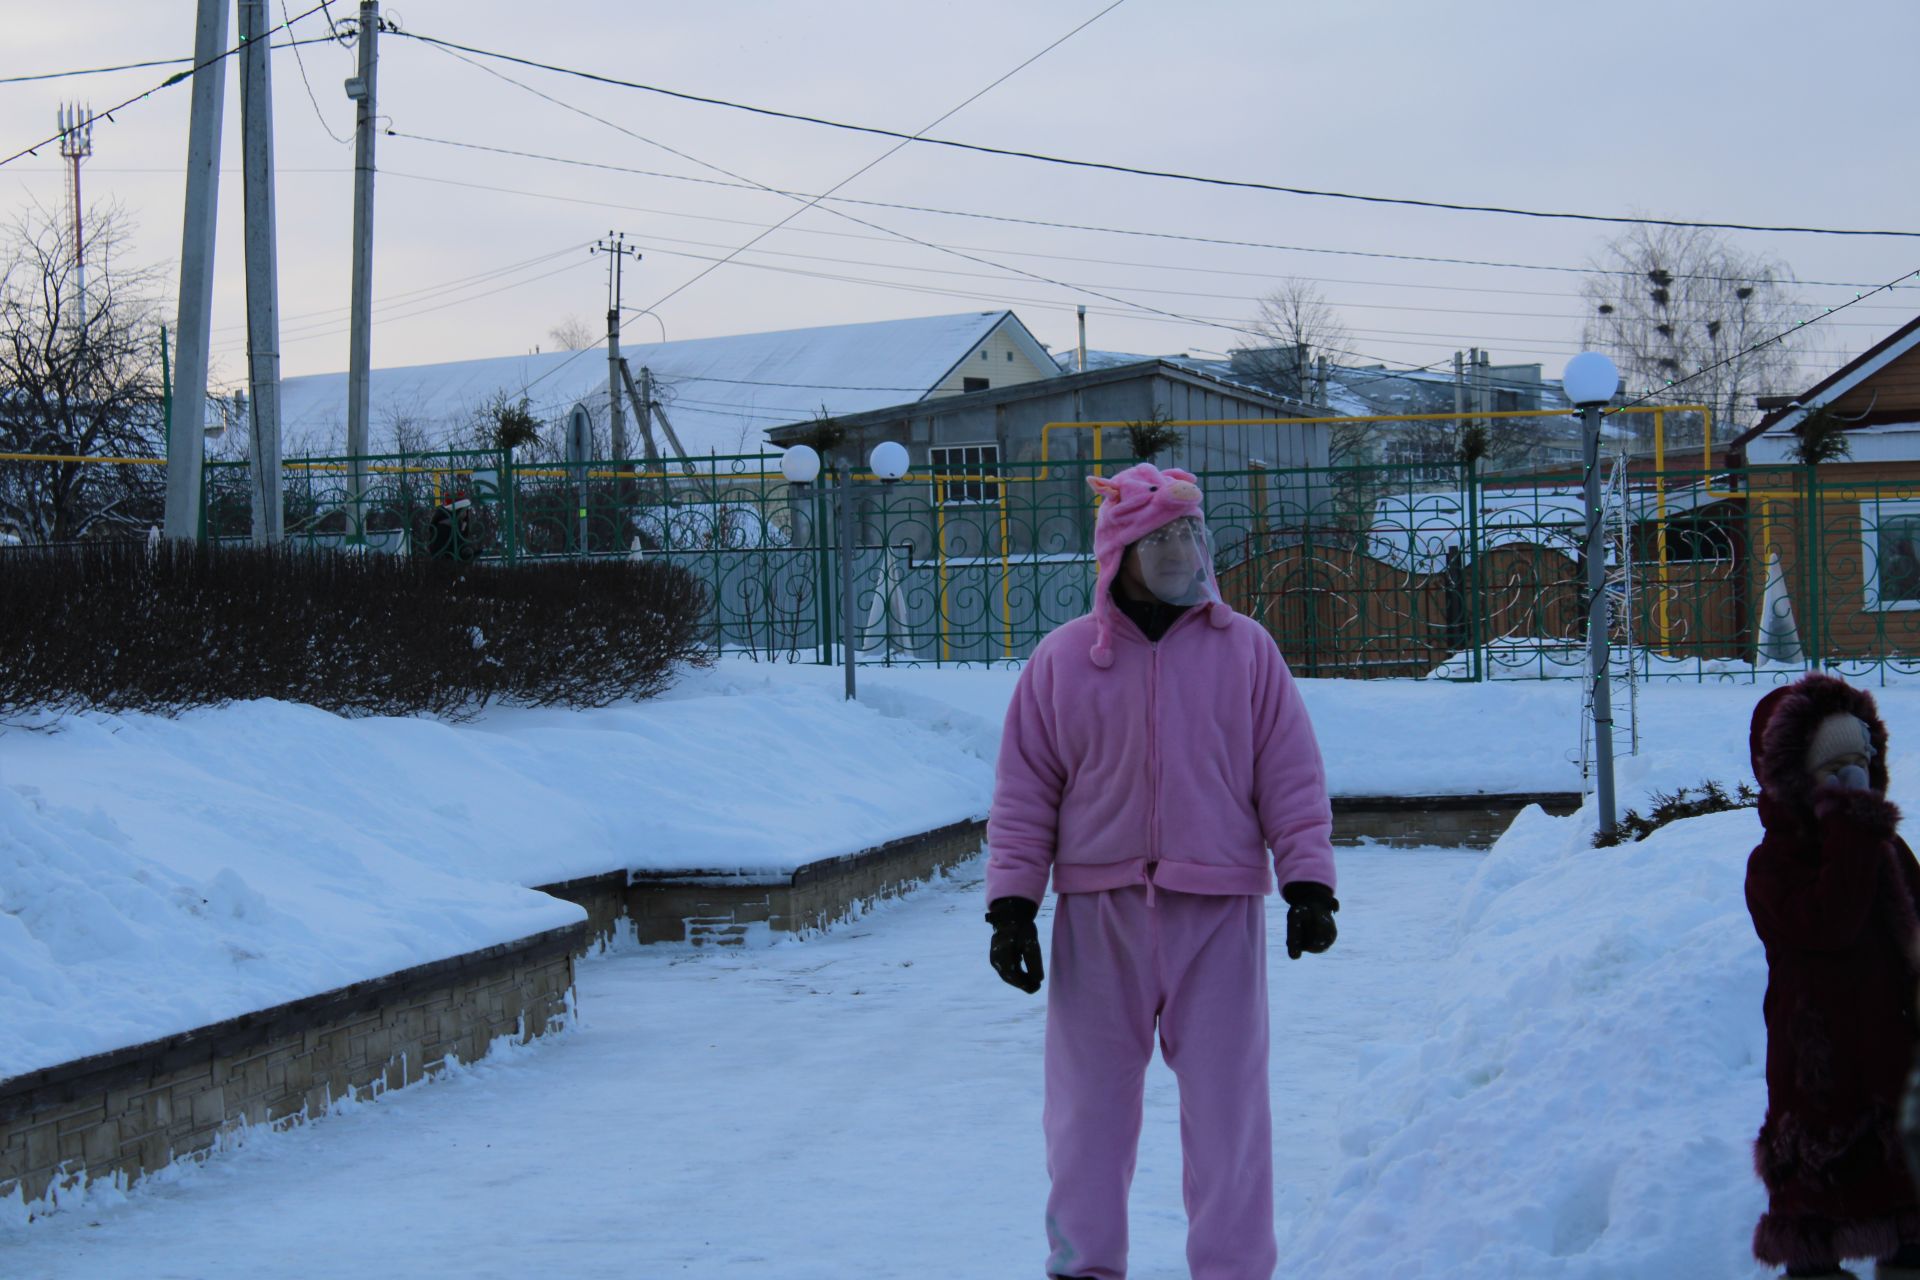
{"x": 157, "y": 875}
{"x": 119, "y": 929}
{"x": 1584, "y": 1103}
{"x": 1407, "y": 737}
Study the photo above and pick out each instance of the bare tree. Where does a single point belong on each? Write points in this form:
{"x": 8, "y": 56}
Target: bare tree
{"x": 573, "y": 334}
{"x": 1680, "y": 305}
{"x": 76, "y": 384}
{"x": 1300, "y": 328}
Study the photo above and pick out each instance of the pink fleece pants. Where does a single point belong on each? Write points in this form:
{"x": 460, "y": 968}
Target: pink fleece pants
{"x": 1196, "y": 965}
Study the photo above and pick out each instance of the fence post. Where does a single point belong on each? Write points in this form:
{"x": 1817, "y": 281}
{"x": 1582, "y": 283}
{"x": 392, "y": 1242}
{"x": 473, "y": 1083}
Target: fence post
{"x": 823, "y": 588}
{"x": 509, "y": 500}
{"x": 1310, "y": 620}
{"x": 1810, "y": 541}
{"x": 1476, "y": 624}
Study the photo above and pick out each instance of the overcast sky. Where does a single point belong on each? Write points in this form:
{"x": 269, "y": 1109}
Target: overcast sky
{"x": 1758, "y": 111}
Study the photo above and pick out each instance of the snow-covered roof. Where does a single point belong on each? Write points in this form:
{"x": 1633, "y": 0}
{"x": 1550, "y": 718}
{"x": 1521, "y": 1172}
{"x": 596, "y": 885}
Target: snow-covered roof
{"x": 720, "y": 393}
{"x": 1352, "y": 391}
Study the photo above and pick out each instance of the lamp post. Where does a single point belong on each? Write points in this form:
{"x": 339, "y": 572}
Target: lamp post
{"x": 800, "y": 464}
{"x": 1590, "y": 381}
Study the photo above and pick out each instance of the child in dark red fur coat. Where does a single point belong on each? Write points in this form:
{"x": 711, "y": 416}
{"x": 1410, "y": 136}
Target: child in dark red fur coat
{"x": 1833, "y": 890}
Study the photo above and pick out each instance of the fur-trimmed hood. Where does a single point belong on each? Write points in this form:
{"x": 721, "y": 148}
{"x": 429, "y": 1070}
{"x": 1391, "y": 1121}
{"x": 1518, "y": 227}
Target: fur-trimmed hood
{"x": 1783, "y": 727}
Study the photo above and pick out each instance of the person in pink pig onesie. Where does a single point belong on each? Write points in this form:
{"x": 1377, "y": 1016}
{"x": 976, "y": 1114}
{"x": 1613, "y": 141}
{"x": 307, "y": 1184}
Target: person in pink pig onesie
{"x": 1154, "y": 751}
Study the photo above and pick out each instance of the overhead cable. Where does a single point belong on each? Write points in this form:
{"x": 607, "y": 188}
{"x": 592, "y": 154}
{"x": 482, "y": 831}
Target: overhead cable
{"x": 1138, "y": 171}
{"x": 1225, "y": 242}
{"x": 168, "y": 83}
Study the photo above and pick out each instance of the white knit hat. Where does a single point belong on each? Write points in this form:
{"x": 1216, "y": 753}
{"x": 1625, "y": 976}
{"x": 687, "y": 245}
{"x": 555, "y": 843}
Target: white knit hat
{"x": 1839, "y": 734}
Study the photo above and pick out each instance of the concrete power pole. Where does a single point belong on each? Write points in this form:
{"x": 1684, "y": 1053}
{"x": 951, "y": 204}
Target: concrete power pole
{"x": 646, "y": 417}
{"x": 616, "y": 252}
{"x": 186, "y": 423}
{"x": 360, "y": 88}
{"x": 263, "y": 285}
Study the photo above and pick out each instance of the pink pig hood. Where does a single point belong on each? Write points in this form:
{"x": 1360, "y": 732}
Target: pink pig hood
{"x": 1133, "y": 504}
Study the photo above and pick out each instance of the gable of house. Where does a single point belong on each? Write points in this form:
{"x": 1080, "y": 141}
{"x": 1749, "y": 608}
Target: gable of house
{"x": 1877, "y": 395}
{"x": 1007, "y": 356}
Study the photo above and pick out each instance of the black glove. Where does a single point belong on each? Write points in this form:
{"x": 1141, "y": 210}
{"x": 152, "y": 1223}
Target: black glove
{"x": 1015, "y": 951}
{"x": 1310, "y": 908}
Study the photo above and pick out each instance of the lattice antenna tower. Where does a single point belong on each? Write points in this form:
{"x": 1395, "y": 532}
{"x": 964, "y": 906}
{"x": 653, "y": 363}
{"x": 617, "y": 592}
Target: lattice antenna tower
{"x": 76, "y": 144}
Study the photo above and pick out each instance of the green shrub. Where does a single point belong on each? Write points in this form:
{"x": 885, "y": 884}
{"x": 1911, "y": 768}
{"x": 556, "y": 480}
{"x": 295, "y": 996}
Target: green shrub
{"x": 1687, "y": 802}
{"x": 121, "y": 627}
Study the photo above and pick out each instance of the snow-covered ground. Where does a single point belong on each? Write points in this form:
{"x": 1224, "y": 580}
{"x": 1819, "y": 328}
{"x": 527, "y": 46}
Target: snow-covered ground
{"x": 158, "y": 875}
{"x": 1541, "y": 1061}
{"x": 865, "y": 1103}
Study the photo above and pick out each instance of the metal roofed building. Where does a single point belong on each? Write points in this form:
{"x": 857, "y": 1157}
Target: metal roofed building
{"x": 720, "y": 394}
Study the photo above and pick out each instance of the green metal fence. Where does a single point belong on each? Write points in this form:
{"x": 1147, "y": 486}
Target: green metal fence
{"x": 1416, "y": 570}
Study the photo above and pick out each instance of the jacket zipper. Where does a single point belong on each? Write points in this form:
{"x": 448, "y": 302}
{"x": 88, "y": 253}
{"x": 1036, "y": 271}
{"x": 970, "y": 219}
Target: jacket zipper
{"x": 1153, "y": 766}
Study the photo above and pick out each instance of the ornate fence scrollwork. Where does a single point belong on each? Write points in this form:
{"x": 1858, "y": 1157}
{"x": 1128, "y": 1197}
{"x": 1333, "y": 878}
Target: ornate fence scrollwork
{"x": 1418, "y": 570}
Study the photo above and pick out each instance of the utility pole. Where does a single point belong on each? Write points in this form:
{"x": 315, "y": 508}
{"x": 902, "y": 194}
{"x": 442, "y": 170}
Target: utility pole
{"x": 646, "y": 416}
{"x": 263, "y": 286}
{"x": 76, "y": 144}
{"x": 1459, "y": 392}
{"x": 186, "y": 420}
{"x": 616, "y": 252}
{"x": 360, "y": 88}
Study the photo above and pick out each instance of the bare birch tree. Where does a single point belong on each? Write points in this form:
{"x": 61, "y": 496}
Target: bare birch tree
{"x": 1680, "y": 305}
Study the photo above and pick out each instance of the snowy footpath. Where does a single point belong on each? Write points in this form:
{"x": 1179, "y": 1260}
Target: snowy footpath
{"x": 866, "y": 1103}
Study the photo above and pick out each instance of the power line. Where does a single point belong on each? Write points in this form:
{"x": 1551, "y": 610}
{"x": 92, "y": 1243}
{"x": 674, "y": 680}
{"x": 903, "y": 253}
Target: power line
{"x": 1433, "y": 259}
{"x": 944, "y": 116}
{"x": 1136, "y": 171}
{"x": 1185, "y": 293}
{"x": 814, "y": 203}
{"x": 1015, "y": 270}
{"x": 901, "y": 235}
{"x": 1386, "y": 336}
{"x": 1509, "y": 344}
{"x": 421, "y": 294}
{"x": 302, "y": 64}
{"x": 168, "y": 83}
{"x": 152, "y": 62}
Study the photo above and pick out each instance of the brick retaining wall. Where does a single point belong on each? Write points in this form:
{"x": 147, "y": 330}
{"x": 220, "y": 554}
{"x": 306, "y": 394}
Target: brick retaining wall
{"x": 718, "y": 907}
{"x": 126, "y": 1114}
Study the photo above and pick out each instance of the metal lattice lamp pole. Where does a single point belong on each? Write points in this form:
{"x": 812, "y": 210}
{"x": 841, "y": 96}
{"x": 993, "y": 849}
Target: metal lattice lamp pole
{"x": 1590, "y": 381}
{"x": 800, "y": 464}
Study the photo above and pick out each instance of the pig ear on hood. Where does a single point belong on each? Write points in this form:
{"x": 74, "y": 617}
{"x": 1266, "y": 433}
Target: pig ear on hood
{"x": 1175, "y": 473}
{"x": 1104, "y": 487}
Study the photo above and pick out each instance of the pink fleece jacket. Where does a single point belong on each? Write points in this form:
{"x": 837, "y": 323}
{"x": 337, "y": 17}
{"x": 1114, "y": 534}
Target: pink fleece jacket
{"x": 1177, "y": 764}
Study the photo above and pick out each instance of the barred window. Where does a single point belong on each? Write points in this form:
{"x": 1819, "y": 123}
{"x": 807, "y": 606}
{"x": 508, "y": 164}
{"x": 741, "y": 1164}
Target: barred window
{"x": 965, "y": 473}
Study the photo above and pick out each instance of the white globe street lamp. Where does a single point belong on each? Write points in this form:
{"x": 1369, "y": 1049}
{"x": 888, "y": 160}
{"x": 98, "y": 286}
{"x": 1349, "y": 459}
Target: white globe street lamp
{"x": 888, "y": 460}
{"x": 800, "y": 464}
{"x": 1590, "y": 381}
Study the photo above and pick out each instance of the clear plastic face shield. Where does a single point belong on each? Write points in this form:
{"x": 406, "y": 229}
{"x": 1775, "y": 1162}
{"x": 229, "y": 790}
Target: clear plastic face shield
{"x": 1174, "y": 563}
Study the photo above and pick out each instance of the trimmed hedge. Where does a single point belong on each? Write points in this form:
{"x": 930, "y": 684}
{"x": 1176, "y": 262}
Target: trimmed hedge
{"x": 121, "y": 627}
